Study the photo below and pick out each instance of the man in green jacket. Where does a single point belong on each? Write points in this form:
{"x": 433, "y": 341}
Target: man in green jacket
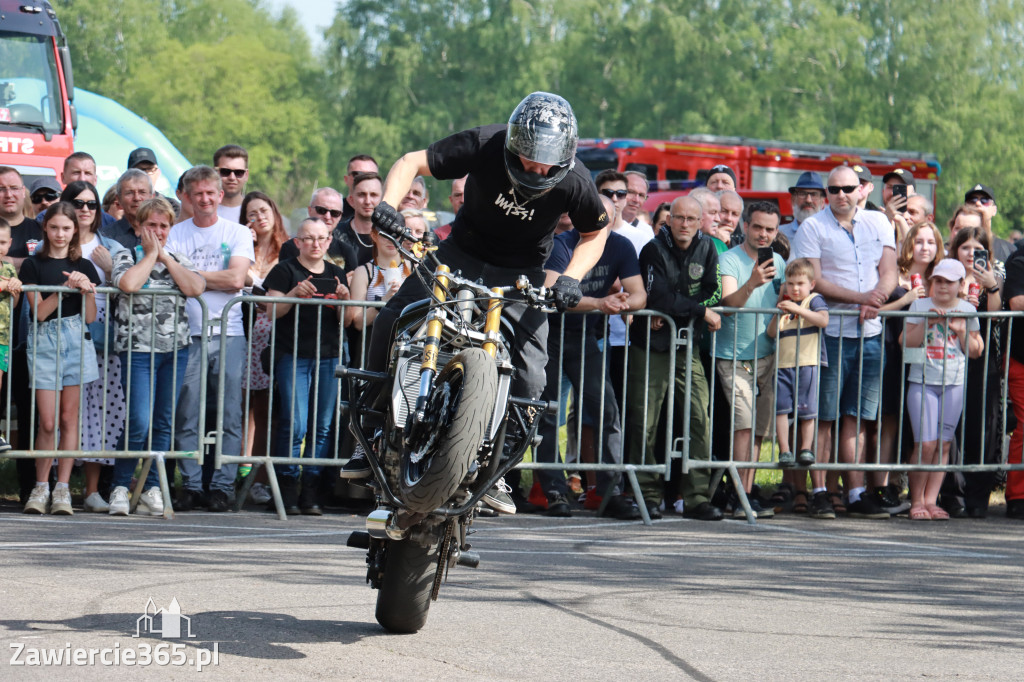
{"x": 680, "y": 271}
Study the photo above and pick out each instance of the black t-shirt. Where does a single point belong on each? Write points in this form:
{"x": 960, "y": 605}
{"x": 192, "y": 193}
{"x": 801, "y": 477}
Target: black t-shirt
{"x": 25, "y": 236}
{"x": 494, "y": 224}
{"x": 339, "y": 252}
{"x": 283, "y": 277}
{"x": 361, "y": 245}
{"x": 50, "y": 272}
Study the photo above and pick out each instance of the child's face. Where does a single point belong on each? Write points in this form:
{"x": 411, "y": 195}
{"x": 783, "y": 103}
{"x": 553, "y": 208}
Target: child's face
{"x": 5, "y": 241}
{"x": 943, "y": 291}
{"x": 798, "y": 287}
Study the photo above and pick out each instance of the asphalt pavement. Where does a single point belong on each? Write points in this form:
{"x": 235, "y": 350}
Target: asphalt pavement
{"x": 586, "y": 598}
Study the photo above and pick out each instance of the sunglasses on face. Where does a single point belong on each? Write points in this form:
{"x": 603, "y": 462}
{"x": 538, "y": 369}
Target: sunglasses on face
{"x": 45, "y": 196}
{"x": 980, "y": 199}
{"x": 90, "y": 204}
{"x": 614, "y": 193}
{"x": 227, "y": 172}
{"x": 320, "y": 210}
{"x": 845, "y": 189}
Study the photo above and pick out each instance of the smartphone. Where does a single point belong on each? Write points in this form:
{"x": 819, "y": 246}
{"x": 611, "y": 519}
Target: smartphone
{"x": 765, "y": 253}
{"x": 900, "y": 191}
{"x": 981, "y": 259}
{"x": 324, "y": 285}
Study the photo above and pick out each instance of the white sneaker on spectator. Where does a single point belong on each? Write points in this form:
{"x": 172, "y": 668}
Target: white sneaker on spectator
{"x": 60, "y": 504}
{"x": 678, "y": 506}
{"x": 120, "y": 501}
{"x": 38, "y": 500}
{"x": 151, "y": 502}
{"x": 95, "y": 503}
{"x": 259, "y": 494}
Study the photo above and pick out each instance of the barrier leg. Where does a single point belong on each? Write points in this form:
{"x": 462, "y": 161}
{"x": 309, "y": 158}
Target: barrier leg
{"x": 165, "y": 486}
{"x": 638, "y": 496}
{"x": 741, "y": 493}
{"x": 247, "y": 482}
{"x": 275, "y": 492}
{"x": 140, "y": 483}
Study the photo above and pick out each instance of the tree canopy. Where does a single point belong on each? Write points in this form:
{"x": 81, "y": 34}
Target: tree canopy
{"x": 392, "y": 75}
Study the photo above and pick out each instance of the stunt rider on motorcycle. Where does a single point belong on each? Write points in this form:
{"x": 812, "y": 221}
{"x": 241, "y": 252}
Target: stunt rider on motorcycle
{"x": 521, "y": 177}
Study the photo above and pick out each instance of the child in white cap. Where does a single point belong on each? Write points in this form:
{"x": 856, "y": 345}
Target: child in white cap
{"x": 937, "y": 349}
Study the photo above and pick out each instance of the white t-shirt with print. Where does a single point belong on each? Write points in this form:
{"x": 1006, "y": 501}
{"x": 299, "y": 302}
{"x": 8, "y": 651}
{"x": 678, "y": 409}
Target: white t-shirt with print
{"x": 210, "y": 249}
{"x": 938, "y": 352}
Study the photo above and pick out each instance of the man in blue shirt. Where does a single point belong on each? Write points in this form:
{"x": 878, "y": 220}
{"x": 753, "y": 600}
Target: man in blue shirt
{"x": 744, "y": 353}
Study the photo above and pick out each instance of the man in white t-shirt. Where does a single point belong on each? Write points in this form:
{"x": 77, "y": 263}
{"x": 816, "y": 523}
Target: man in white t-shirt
{"x": 636, "y": 195}
{"x": 222, "y": 252}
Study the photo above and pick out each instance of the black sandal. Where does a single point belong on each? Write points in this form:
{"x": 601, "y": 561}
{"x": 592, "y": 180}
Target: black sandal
{"x": 782, "y": 499}
{"x": 799, "y": 502}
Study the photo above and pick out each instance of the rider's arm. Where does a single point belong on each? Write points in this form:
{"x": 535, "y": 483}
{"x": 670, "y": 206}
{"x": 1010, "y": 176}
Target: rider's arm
{"x": 587, "y": 253}
{"x": 402, "y": 174}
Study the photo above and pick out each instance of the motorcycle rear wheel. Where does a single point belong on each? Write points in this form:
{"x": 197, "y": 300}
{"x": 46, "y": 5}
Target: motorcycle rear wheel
{"x": 403, "y": 599}
{"x": 472, "y": 377}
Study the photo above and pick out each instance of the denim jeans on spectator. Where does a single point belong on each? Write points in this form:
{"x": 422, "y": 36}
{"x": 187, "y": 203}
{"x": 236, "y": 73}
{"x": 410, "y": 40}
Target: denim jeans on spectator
{"x": 187, "y": 437}
{"x": 840, "y": 388}
{"x": 300, "y": 382}
{"x": 141, "y": 373}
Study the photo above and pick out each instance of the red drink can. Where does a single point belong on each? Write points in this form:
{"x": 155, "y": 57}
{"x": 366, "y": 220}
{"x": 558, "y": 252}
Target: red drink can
{"x": 974, "y": 289}
{"x": 915, "y": 281}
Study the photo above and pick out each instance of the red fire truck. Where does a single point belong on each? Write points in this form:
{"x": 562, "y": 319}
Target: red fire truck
{"x": 37, "y": 116}
{"x": 760, "y": 165}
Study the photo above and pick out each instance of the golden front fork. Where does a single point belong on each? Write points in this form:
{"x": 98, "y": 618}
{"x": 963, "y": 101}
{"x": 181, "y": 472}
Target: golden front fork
{"x": 434, "y": 324}
{"x": 492, "y": 324}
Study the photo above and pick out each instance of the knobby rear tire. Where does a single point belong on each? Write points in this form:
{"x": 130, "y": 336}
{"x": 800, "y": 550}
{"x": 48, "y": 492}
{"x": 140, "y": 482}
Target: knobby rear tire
{"x": 403, "y": 599}
{"x": 447, "y": 466}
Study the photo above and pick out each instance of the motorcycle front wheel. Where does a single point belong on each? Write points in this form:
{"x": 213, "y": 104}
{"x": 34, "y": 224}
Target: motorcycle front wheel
{"x": 403, "y": 599}
{"x": 464, "y": 391}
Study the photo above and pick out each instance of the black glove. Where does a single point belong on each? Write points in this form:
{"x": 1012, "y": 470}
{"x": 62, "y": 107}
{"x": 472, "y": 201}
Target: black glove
{"x": 388, "y": 220}
{"x": 567, "y": 293}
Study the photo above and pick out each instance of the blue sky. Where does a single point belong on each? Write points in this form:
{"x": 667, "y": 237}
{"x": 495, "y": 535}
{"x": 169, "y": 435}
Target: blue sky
{"x": 315, "y": 15}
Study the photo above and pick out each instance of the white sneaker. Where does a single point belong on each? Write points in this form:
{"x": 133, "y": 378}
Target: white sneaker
{"x": 95, "y": 503}
{"x": 120, "y": 502}
{"x": 151, "y": 502}
{"x": 61, "y": 502}
{"x": 678, "y": 506}
{"x": 259, "y": 494}
{"x": 38, "y": 500}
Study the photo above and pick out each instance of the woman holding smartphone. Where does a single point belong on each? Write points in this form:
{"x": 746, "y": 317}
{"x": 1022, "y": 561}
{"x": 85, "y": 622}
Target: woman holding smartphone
{"x": 268, "y": 235}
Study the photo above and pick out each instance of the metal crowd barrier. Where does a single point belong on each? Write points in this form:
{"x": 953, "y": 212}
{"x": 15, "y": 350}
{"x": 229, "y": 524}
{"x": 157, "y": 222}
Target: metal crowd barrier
{"x": 21, "y": 349}
{"x": 996, "y": 329}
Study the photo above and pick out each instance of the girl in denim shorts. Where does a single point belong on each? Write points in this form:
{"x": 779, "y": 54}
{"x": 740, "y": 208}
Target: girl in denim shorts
{"x": 61, "y": 357}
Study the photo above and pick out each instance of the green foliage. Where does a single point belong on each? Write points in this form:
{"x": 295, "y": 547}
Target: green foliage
{"x": 929, "y": 75}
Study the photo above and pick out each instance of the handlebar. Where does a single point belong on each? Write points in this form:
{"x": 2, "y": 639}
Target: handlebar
{"x": 536, "y": 297}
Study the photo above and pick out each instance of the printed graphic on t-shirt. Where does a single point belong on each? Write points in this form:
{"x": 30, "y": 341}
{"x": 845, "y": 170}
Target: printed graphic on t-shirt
{"x": 511, "y": 207}
{"x": 210, "y": 257}
{"x": 937, "y": 344}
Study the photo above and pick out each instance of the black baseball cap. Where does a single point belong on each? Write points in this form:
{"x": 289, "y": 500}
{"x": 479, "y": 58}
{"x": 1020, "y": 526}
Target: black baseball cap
{"x": 980, "y": 189}
{"x": 140, "y": 156}
{"x": 863, "y": 174}
{"x": 902, "y": 173}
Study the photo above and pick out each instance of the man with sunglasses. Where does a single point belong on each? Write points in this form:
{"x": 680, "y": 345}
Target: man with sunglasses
{"x": 853, "y": 252}
{"x": 522, "y": 177}
{"x": 232, "y": 163}
{"x": 43, "y": 193}
{"x": 326, "y": 205}
{"x": 983, "y": 198}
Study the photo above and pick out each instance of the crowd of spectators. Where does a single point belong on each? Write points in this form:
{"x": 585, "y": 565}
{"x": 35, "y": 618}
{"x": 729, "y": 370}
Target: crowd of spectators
{"x": 847, "y": 335}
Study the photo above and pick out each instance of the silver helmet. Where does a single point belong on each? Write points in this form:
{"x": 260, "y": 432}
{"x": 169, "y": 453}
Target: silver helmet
{"x": 542, "y": 129}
